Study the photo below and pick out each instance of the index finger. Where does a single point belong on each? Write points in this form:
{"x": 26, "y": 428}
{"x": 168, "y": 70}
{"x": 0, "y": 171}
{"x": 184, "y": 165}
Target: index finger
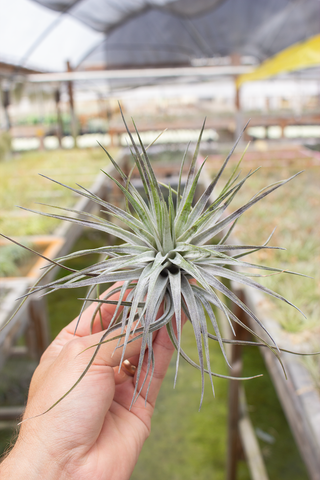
{"x": 83, "y": 327}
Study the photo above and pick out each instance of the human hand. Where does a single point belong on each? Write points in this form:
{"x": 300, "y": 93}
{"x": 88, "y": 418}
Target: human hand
{"x": 91, "y": 433}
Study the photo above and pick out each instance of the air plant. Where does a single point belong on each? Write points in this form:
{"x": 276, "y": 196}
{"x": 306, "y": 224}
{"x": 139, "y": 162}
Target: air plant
{"x": 166, "y": 244}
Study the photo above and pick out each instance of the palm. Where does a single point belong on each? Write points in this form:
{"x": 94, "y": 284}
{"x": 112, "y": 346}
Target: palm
{"x": 121, "y": 437}
{"x": 94, "y": 425}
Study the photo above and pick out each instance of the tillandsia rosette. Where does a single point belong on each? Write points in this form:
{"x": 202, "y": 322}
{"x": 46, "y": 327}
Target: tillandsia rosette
{"x": 169, "y": 240}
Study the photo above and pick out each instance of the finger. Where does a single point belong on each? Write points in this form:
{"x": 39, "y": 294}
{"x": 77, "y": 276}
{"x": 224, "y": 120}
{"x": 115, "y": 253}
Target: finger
{"x": 75, "y": 362}
{"x": 120, "y": 376}
{"x": 104, "y": 347}
{"x": 163, "y": 350}
{"x": 127, "y": 372}
{"x": 83, "y": 327}
{"x": 106, "y": 312}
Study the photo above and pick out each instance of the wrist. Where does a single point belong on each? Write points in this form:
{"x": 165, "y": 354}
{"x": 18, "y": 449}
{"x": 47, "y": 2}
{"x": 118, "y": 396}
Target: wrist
{"x": 32, "y": 463}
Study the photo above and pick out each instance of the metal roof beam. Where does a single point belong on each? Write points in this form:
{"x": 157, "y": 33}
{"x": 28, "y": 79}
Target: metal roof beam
{"x": 138, "y": 73}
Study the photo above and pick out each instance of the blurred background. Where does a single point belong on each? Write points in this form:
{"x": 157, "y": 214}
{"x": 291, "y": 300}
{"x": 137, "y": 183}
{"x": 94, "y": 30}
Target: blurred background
{"x": 64, "y": 67}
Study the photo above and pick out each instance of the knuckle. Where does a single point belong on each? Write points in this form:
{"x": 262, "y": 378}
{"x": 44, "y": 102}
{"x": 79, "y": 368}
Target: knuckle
{"x": 73, "y": 348}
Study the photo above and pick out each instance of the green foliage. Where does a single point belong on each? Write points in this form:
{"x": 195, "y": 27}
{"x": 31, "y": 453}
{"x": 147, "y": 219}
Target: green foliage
{"x": 188, "y": 445}
{"x": 282, "y": 458}
{"x": 20, "y": 184}
{"x": 295, "y": 213}
{"x": 11, "y": 257}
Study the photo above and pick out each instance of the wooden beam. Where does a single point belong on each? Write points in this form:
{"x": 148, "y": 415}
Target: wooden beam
{"x": 234, "y": 443}
{"x": 233, "y": 439}
{"x": 37, "y": 333}
{"x": 300, "y": 401}
{"x": 11, "y": 413}
{"x": 250, "y": 443}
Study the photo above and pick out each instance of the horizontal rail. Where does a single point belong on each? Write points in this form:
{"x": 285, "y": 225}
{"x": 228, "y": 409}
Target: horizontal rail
{"x": 138, "y": 73}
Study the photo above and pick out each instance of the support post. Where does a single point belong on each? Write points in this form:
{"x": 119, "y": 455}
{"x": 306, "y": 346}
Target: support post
{"x": 6, "y": 103}
{"x": 59, "y": 117}
{"x": 283, "y": 125}
{"x": 242, "y": 442}
{"x": 234, "y": 443}
{"x": 234, "y": 448}
{"x": 250, "y": 443}
{"x": 72, "y": 109}
{"x": 37, "y": 333}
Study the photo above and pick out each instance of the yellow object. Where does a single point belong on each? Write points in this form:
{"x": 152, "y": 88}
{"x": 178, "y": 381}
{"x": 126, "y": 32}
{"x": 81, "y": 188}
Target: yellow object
{"x": 300, "y": 55}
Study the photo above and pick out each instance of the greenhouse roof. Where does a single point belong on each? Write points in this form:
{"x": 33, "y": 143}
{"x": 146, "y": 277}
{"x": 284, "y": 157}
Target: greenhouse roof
{"x": 44, "y": 34}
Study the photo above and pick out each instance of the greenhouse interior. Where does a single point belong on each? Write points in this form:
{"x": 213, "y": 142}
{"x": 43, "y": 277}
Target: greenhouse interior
{"x": 133, "y": 137}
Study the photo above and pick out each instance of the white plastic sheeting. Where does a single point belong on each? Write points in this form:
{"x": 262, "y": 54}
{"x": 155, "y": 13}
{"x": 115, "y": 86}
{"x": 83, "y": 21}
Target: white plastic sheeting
{"x": 36, "y": 37}
{"x": 43, "y": 34}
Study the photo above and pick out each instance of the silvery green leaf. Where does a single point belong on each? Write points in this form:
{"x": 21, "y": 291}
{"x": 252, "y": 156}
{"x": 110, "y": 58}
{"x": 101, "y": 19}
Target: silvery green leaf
{"x": 186, "y": 203}
{"x": 167, "y": 240}
{"x": 237, "y": 277}
{"x": 103, "y": 227}
{"x": 191, "y": 304}
{"x": 214, "y": 322}
{"x": 217, "y": 303}
{"x": 180, "y": 177}
{"x": 208, "y": 234}
{"x": 175, "y": 287}
{"x": 213, "y": 213}
{"x": 204, "y": 333}
{"x": 191, "y": 362}
{"x": 191, "y": 174}
{"x": 138, "y": 296}
{"x": 215, "y": 283}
